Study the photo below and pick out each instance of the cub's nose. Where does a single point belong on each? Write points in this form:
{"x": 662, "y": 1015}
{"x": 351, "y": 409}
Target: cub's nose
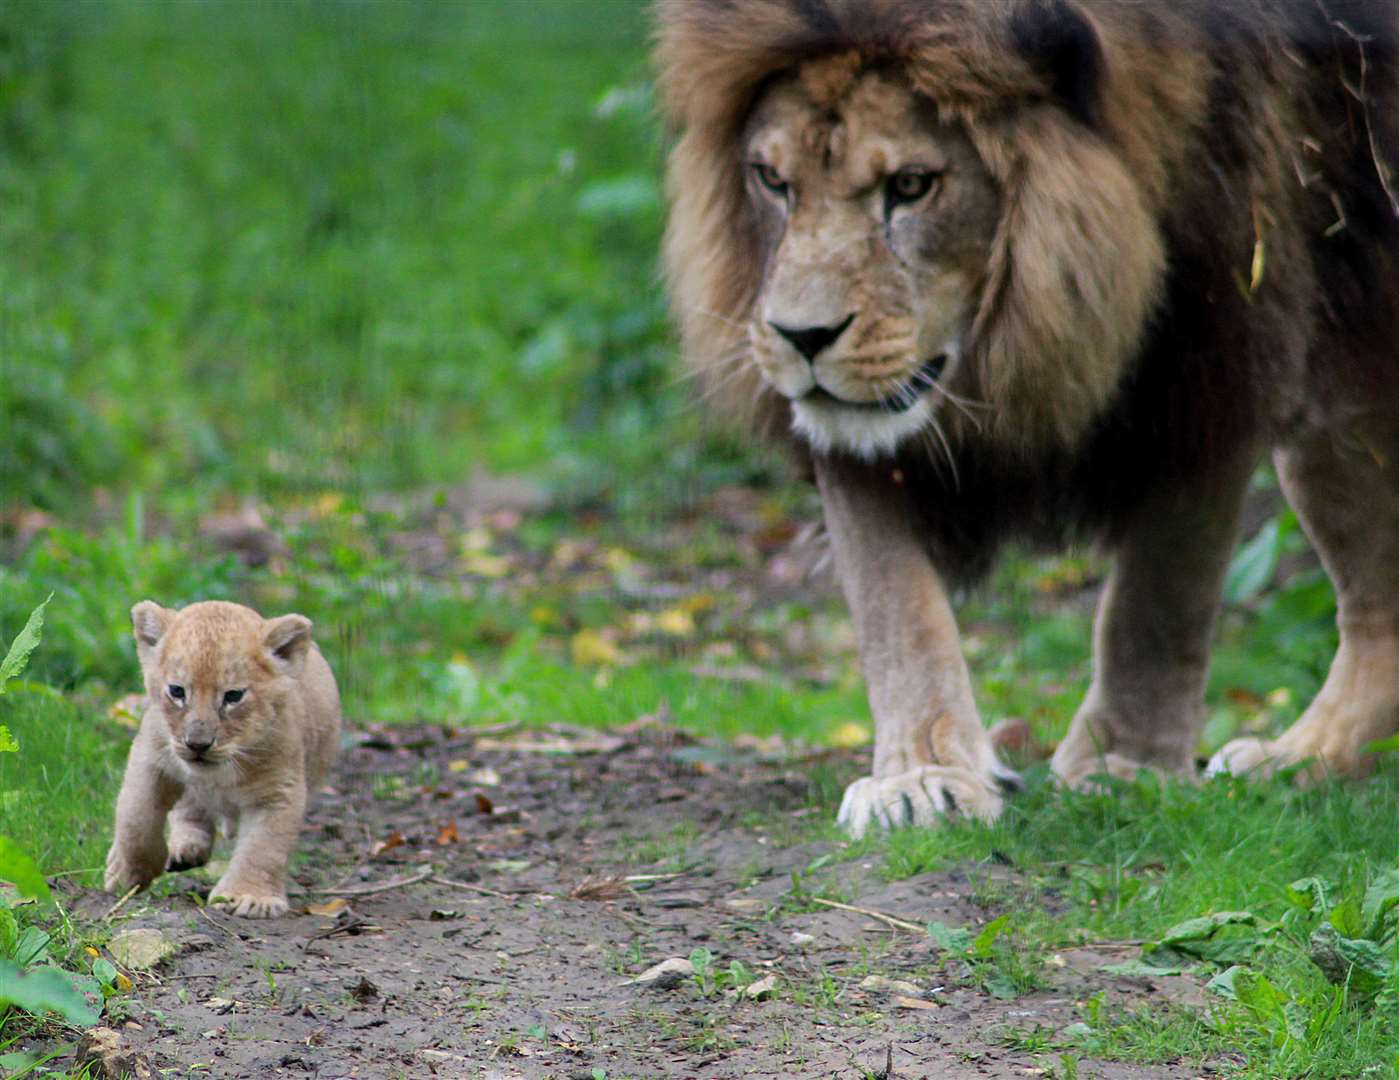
{"x": 811, "y": 340}
{"x": 198, "y": 744}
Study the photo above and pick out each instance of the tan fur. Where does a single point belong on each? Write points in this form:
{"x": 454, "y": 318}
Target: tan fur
{"x": 265, "y": 754}
{"x": 1158, "y": 239}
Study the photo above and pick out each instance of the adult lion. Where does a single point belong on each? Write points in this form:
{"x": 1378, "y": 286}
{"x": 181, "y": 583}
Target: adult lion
{"x": 1048, "y": 269}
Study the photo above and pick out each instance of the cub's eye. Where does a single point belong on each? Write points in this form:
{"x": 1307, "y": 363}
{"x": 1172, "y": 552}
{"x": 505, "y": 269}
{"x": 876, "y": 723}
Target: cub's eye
{"x": 770, "y": 178}
{"x": 908, "y": 185}
{"x": 177, "y": 693}
{"x": 232, "y": 697}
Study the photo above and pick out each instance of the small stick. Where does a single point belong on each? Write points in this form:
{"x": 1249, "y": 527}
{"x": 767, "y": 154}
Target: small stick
{"x": 121, "y": 903}
{"x": 469, "y": 887}
{"x": 653, "y": 877}
{"x": 370, "y": 890}
{"x": 215, "y": 922}
{"x": 888, "y": 920}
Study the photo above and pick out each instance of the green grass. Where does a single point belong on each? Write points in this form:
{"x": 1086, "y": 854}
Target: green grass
{"x": 331, "y": 260}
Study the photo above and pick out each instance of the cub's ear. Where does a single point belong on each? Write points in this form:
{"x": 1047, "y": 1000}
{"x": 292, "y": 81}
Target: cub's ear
{"x": 149, "y": 621}
{"x": 287, "y": 638}
{"x": 1061, "y": 43}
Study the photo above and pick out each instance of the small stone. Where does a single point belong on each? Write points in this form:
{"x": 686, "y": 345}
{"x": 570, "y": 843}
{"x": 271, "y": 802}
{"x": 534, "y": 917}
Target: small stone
{"x": 878, "y": 984}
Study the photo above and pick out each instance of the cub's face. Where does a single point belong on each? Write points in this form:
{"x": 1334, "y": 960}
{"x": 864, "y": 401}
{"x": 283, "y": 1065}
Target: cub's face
{"x": 217, "y": 674}
{"x": 877, "y": 223}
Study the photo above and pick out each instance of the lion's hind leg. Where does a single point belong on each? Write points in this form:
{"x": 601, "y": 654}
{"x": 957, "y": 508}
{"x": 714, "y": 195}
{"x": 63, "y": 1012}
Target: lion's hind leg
{"x": 1151, "y": 641}
{"x": 1345, "y": 489}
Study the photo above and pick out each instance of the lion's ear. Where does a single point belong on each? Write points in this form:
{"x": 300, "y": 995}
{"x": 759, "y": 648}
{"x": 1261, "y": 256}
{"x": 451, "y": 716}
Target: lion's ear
{"x": 1062, "y": 44}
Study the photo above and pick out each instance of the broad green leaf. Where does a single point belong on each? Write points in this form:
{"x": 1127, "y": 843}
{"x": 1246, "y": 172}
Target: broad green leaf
{"x": 1310, "y": 893}
{"x": 981, "y": 944}
{"x": 31, "y": 946}
{"x": 20, "y": 870}
{"x": 952, "y": 939}
{"x": 1380, "y": 898}
{"x": 9, "y": 934}
{"x": 44, "y": 990}
{"x": 1205, "y": 926}
{"x": 1253, "y": 566}
{"x": 23, "y": 645}
{"x": 1223, "y": 983}
{"x": 7, "y": 741}
{"x": 1142, "y": 966}
{"x": 104, "y": 971}
{"x": 1346, "y": 918}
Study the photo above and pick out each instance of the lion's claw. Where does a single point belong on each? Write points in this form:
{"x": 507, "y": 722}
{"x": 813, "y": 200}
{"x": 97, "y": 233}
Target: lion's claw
{"x": 922, "y": 797}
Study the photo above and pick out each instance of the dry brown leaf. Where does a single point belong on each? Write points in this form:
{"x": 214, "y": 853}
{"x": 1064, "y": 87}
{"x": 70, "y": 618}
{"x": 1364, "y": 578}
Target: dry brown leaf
{"x": 915, "y": 1003}
{"x": 334, "y": 906}
{"x": 393, "y": 840}
{"x": 483, "y": 804}
{"x": 599, "y": 888}
{"x": 448, "y": 834}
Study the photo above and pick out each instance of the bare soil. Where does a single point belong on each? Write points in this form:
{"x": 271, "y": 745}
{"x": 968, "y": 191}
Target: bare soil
{"x": 520, "y": 969}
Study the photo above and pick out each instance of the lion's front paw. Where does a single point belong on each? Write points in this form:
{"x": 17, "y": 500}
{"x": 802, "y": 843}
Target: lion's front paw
{"x": 248, "y": 903}
{"x": 187, "y": 850}
{"x": 1248, "y": 757}
{"x": 126, "y": 869}
{"x": 921, "y": 796}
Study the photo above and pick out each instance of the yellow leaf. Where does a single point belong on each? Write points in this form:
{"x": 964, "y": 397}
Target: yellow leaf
{"x": 92, "y": 952}
{"x": 697, "y": 602}
{"x": 543, "y": 615}
{"x": 677, "y": 622}
{"x": 483, "y": 564}
{"x": 328, "y": 503}
{"x": 334, "y": 906}
{"x": 590, "y": 649}
{"x": 477, "y": 539}
{"x": 616, "y": 559}
{"x": 122, "y": 982}
{"x": 849, "y": 735}
{"x": 460, "y": 765}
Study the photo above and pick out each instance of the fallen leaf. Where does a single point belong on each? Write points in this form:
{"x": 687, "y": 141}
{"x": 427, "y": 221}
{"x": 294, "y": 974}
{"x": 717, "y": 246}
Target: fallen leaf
{"x": 393, "y": 840}
{"x": 333, "y": 906}
{"x": 915, "y": 1003}
{"x": 849, "y": 735}
{"x": 448, "y": 834}
{"x": 590, "y": 649}
{"x": 761, "y": 988}
{"x": 665, "y": 974}
{"x": 484, "y": 565}
{"x": 599, "y": 888}
{"x": 458, "y": 766}
{"x": 141, "y": 949}
{"x": 364, "y": 990}
{"x": 483, "y": 803}
{"x": 677, "y": 622}
{"x": 878, "y": 984}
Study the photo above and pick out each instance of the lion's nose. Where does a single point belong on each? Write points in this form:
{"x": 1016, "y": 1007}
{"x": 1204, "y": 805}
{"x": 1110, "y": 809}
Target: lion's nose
{"x": 811, "y": 340}
{"x": 199, "y": 743}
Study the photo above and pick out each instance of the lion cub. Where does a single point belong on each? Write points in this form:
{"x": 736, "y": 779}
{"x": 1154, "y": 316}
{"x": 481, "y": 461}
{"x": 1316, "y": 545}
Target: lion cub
{"x": 242, "y": 721}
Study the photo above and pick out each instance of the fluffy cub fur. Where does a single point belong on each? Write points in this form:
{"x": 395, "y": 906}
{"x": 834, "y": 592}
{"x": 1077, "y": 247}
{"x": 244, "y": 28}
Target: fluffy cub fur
{"x": 242, "y": 721}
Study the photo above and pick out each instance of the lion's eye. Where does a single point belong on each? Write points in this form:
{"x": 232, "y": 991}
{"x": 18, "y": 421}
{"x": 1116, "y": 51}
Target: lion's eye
{"x": 176, "y": 692}
{"x": 770, "y": 178}
{"x": 908, "y": 185}
{"x": 232, "y": 697}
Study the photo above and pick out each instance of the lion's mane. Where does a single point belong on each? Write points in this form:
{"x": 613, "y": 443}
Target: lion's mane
{"x": 1194, "y": 195}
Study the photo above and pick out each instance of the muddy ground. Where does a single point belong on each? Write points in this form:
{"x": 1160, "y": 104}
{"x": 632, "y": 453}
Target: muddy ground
{"x": 512, "y": 959}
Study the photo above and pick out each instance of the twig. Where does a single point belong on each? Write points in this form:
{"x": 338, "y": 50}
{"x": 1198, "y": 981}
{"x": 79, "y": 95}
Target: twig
{"x": 1110, "y": 945}
{"x": 370, "y": 890}
{"x": 888, "y": 920}
{"x": 485, "y": 731}
{"x": 215, "y": 922}
{"x": 630, "y": 878}
{"x": 469, "y": 887}
{"x": 121, "y": 903}
{"x": 349, "y": 927}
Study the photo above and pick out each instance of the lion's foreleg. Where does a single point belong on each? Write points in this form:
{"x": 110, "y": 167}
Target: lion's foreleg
{"x": 1345, "y": 490}
{"x": 931, "y": 754}
{"x": 1152, "y": 636}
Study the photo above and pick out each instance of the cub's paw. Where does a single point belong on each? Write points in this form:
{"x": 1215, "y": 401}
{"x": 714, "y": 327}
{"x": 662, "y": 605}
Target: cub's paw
{"x": 126, "y": 869}
{"x": 187, "y": 851}
{"x": 922, "y": 796}
{"x": 233, "y": 900}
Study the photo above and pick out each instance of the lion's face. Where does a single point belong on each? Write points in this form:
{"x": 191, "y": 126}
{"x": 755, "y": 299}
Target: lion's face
{"x": 877, "y": 222}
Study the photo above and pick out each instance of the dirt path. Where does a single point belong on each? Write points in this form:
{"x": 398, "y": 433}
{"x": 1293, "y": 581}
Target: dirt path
{"x": 524, "y": 974}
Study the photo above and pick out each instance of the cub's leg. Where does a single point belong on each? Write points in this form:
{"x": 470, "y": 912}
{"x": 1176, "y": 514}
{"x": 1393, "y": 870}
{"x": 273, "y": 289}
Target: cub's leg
{"x": 191, "y": 834}
{"x": 138, "y": 853}
{"x": 931, "y": 754}
{"x": 1345, "y": 489}
{"x": 254, "y": 885}
{"x": 1151, "y": 640}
